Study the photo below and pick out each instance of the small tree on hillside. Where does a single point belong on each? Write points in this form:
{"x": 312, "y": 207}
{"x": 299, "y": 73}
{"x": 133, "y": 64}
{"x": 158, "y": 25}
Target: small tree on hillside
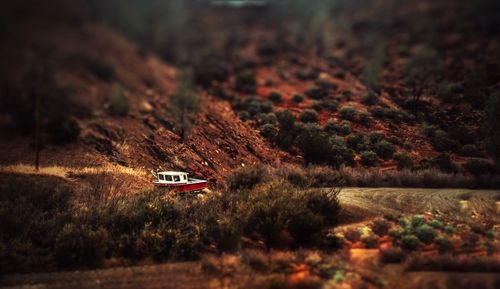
{"x": 420, "y": 72}
{"x": 184, "y": 106}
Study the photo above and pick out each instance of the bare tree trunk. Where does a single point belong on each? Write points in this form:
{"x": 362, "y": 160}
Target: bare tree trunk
{"x": 37, "y": 131}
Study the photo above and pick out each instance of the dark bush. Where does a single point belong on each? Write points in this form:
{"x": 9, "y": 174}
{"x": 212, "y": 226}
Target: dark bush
{"x": 364, "y": 118}
{"x": 356, "y": 141}
{"x": 480, "y": 167}
{"x": 340, "y": 154}
{"x": 308, "y": 115}
{"x": 317, "y": 93}
{"x": 81, "y": 245}
{"x": 370, "y": 98}
{"x": 380, "y": 227}
{"x": 247, "y": 177}
{"x": 253, "y": 105}
{"x": 404, "y": 161}
{"x": 384, "y": 149}
{"x": 345, "y": 128}
{"x": 314, "y": 144}
{"x": 281, "y": 210}
{"x": 275, "y": 97}
{"x": 221, "y": 93}
{"x": 444, "y": 245}
{"x": 442, "y": 142}
{"x": 470, "y": 150}
{"x": 445, "y": 164}
{"x": 268, "y": 131}
{"x": 297, "y": 98}
{"x": 425, "y": 233}
{"x": 376, "y": 136}
{"x": 307, "y": 74}
{"x": 378, "y": 111}
{"x": 244, "y": 115}
{"x": 209, "y": 69}
{"x": 119, "y": 104}
{"x": 287, "y": 130}
{"x": 409, "y": 242}
{"x": 245, "y": 81}
{"x": 348, "y": 113}
{"x": 369, "y": 158}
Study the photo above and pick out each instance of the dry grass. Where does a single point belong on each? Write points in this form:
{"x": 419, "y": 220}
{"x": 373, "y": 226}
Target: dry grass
{"x": 68, "y": 172}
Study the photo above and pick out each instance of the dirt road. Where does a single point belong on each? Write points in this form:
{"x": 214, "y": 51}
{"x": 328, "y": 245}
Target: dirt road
{"x": 461, "y": 204}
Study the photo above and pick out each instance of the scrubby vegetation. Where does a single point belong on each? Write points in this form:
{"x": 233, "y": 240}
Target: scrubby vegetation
{"x": 61, "y": 231}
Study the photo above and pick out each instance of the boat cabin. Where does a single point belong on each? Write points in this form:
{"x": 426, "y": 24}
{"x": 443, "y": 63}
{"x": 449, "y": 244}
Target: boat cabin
{"x": 172, "y": 177}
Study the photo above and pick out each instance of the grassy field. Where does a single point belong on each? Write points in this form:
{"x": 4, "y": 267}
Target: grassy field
{"x": 456, "y": 204}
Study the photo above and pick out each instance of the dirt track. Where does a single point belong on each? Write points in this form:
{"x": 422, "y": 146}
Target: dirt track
{"x": 367, "y": 202}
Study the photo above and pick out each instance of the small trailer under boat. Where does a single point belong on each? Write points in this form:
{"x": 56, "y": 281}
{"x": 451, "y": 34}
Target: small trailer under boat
{"x": 178, "y": 181}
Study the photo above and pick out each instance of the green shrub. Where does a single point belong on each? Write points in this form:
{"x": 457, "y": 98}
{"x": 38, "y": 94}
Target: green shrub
{"x": 314, "y": 144}
{"x": 120, "y": 104}
{"x": 369, "y": 241}
{"x": 244, "y": 115}
{"x": 340, "y": 154}
{"x": 364, "y": 118}
{"x": 480, "y": 167}
{"x": 245, "y": 81}
{"x": 353, "y": 235}
{"x": 378, "y": 111}
{"x": 268, "y": 131}
{"x": 287, "y": 129}
{"x": 297, "y": 98}
{"x": 369, "y": 158}
{"x": 345, "y": 128}
{"x": 281, "y": 209}
{"x": 328, "y": 104}
{"x": 445, "y": 164}
{"x": 384, "y": 149}
{"x": 247, "y": 177}
{"x": 444, "y": 245}
{"x": 253, "y": 105}
{"x": 437, "y": 224}
{"x": 275, "y": 97}
{"x": 317, "y": 93}
{"x": 208, "y": 69}
{"x": 376, "y": 136}
{"x": 404, "y": 161}
{"x": 380, "y": 227}
{"x": 425, "y": 233}
{"x": 348, "y": 113}
{"x": 307, "y": 74}
{"x": 470, "y": 150}
{"x": 356, "y": 141}
{"x": 441, "y": 141}
{"x": 81, "y": 245}
{"x": 417, "y": 221}
{"x": 409, "y": 242}
{"x": 370, "y": 98}
{"x": 308, "y": 115}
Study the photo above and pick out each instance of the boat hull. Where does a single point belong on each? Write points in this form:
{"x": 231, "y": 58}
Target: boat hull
{"x": 185, "y": 188}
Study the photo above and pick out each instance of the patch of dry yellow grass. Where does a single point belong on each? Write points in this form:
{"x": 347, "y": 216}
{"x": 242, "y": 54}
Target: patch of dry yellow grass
{"x": 65, "y": 172}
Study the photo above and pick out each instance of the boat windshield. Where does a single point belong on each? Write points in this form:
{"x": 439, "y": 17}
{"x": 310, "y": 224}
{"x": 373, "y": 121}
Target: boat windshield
{"x": 177, "y": 179}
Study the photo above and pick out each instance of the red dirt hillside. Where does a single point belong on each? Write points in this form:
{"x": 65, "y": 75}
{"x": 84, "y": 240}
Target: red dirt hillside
{"x": 144, "y": 139}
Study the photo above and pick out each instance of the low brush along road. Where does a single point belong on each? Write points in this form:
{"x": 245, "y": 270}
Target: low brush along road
{"x": 360, "y": 204}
